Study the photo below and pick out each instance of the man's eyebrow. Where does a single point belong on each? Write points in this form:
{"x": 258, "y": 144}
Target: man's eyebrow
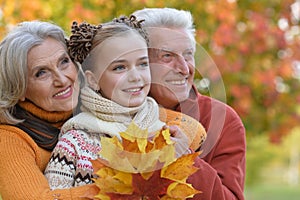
{"x": 189, "y": 49}
{"x": 166, "y": 49}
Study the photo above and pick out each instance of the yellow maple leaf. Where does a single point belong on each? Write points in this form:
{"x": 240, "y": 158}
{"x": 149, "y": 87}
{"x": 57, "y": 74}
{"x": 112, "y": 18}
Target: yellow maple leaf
{"x": 167, "y": 155}
{"x": 181, "y": 169}
{"x": 161, "y": 139}
{"x": 112, "y": 180}
{"x": 181, "y": 190}
{"x": 167, "y": 136}
{"x": 131, "y": 155}
{"x": 134, "y": 133}
{"x": 102, "y": 196}
{"x": 130, "y": 146}
{"x": 114, "y": 156}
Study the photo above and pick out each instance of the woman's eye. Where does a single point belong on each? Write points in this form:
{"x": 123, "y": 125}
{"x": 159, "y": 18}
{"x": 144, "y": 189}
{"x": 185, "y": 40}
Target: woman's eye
{"x": 65, "y": 60}
{"x": 40, "y": 73}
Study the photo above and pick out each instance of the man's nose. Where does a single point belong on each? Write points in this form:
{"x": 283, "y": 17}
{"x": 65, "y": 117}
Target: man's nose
{"x": 182, "y": 65}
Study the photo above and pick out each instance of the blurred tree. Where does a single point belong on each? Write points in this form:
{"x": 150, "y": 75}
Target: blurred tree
{"x": 254, "y": 44}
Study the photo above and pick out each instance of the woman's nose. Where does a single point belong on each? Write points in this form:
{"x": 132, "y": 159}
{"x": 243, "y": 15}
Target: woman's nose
{"x": 59, "y": 78}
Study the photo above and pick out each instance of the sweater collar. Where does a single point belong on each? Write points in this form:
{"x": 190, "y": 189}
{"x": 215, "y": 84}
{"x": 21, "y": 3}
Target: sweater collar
{"x": 56, "y": 118}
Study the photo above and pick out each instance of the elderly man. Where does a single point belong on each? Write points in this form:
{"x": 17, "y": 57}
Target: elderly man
{"x": 171, "y": 53}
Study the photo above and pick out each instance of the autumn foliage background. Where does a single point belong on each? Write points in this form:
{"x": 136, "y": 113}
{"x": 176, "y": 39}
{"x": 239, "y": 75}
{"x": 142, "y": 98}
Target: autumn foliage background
{"x": 254, "y": 45}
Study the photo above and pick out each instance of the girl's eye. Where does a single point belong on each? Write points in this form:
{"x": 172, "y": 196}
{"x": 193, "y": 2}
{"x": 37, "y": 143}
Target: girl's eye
{"x": 144, "y": 64}
{"x": 119, "y": 68}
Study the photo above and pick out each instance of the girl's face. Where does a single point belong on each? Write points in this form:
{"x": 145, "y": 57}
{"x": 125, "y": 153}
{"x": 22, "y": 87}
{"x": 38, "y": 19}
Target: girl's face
{"x": 52, "y": 77}
{"x": 122, "y": 66}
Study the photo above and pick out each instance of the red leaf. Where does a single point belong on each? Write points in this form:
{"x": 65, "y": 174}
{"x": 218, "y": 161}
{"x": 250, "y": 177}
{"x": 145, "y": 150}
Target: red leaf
{"x": 153, "y": 187}
{"x": 114, "y": 196}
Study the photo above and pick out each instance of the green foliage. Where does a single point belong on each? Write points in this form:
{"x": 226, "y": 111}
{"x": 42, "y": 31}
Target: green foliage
{"x": 273, "y": 192}
{"x": 273, "y": 163}
{"x": 259, "y": 154}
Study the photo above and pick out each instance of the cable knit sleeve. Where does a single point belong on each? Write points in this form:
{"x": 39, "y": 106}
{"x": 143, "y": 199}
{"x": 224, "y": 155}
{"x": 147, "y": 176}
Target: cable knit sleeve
{"x": 21, "y": 168}
{"x": 70, "y": 164}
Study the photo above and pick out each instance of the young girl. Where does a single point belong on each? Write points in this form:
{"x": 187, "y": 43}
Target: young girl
{"x": 114, "y": 57}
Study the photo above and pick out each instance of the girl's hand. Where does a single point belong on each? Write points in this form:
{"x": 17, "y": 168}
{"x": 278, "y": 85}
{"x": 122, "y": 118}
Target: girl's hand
{"x": 180, "y": 139}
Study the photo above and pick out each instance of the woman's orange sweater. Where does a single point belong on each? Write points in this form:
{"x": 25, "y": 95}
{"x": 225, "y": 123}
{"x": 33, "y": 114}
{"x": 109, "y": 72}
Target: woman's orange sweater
{"x": 22, "y": 163}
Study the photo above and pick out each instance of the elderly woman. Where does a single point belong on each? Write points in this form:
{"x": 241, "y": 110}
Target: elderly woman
{"x": 39, "y": 90}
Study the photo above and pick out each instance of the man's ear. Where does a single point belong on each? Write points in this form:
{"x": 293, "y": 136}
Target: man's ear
{"x": 91, "y": 80}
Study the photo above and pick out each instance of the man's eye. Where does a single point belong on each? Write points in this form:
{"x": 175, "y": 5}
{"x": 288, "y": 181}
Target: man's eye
{"x": 166, "y": 57}
{"x": 188, "y": 55}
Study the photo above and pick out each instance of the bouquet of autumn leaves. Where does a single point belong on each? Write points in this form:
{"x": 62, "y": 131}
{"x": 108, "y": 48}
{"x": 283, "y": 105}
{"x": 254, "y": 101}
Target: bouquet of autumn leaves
{"x": 141, "y": 168}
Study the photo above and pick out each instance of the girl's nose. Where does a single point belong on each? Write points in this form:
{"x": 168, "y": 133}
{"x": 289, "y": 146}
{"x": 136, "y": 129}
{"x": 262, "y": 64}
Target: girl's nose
{"x": 134, "y": 75}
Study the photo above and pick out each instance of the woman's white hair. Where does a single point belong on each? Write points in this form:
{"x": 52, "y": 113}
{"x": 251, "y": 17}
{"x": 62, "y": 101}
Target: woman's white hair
{"x": 168, "y": 18}
{"x": 14, "y": 49}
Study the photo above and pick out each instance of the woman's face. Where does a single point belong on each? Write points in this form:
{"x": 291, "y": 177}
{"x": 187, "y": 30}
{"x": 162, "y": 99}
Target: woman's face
{"x": 125, "y": 74}
{"x": 52, "y": 81}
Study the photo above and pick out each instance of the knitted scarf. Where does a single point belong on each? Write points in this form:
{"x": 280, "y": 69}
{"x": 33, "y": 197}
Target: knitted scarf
{"x": 101, "y": 115}
{"x": 42, "y": 126}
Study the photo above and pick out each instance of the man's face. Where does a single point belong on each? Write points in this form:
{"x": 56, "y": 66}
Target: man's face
{"x": 172, "y": 65}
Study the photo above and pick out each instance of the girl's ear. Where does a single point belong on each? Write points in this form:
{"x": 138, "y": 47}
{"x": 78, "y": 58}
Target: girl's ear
{"x": 91, "y": 80}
